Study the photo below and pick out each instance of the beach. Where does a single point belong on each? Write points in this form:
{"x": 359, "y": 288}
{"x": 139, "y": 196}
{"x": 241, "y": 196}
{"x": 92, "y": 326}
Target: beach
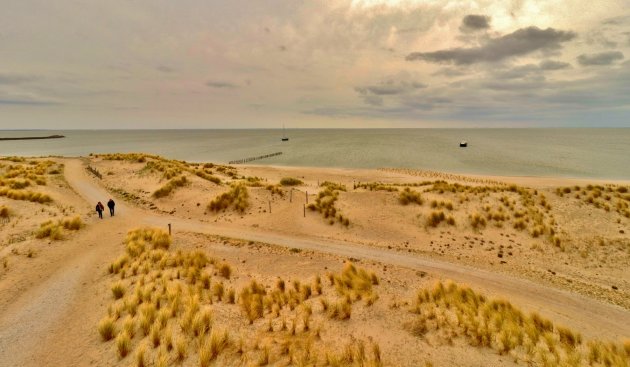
{"x": 553, "y": 246}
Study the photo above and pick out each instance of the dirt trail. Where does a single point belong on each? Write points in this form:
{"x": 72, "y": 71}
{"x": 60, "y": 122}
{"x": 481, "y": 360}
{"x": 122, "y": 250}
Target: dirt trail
{"x": 592, "y": 317}
{"x": 51, "y": 309}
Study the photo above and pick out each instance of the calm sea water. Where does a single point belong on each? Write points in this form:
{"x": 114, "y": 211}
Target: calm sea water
{"x": 592, "y": 153}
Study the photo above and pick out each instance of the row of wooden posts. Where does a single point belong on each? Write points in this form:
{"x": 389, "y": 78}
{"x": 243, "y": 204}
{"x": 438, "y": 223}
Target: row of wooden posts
{"x": 245, "y": 160}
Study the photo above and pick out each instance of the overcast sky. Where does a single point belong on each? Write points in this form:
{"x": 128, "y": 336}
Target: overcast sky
{"x": 328, "y": 63}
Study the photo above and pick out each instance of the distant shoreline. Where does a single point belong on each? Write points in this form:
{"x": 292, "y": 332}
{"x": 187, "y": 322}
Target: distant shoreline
{"x": 35, "y": 137}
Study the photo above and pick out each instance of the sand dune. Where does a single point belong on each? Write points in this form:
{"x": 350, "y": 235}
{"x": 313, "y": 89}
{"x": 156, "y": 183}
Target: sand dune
{"x": 53, "y": 300}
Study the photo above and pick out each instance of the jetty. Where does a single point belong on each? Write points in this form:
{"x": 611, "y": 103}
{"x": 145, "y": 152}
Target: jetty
{"x": 250, "y": 159}
{"x": 34, "y": 137}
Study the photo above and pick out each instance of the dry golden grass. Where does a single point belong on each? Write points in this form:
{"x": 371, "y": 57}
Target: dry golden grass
{"x": 170, "y": 186}
{"x": 237, "y": 198}
{"x": 169, "y": 302}
{"x": 123, "y": 343}
{"x": 55, "y": 230}
{"x": 5, "y": 212}
{"x": 23, "y": 195}
{"x": 325, "y": 203}
{"x": 499, "y": 325}
{"x": 436, "y": 217}
{"x": 407, "y": 197}
{"x": 375, "y": 186}
{"x": 118, "y": 290}
{"x": 606, "y": 197}
{"x": 290, "y": 181}
{"x": 107, "y": 328}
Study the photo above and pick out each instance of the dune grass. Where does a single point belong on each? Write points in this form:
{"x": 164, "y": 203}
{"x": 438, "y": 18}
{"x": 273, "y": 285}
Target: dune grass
{"x": 237, "y": 198}
{"x": 24, "y": 195}
{"x": 407, "y": 197}
{"x": 165, "y": 308}
{"x": 5, "y": 212}
{"x": 55, "y": 230}
{"x": 325, "y": 203}
{"x": 499, "y": 325}
{"x": 170, "y": 186}
{"x": 375, "y": 186}
{"x": 290, "y": 181}
{"x": 107, "y": 328}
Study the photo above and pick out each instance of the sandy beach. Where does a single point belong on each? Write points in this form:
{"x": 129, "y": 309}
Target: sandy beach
{"x": 269, "y": 265}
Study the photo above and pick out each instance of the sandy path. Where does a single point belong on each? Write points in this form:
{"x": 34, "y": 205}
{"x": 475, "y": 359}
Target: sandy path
{"x": 42, "y": 317}
{"x": 591, "y": 317}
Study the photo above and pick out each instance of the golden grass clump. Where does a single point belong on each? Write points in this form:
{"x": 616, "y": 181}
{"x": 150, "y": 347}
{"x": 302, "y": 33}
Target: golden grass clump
{"x": 123, "y": 343}
{"x": 325, "y": 203}
{"x": 290, "y": 181}
{"x": 275, "y": 190}
{"x": 375, "y": 186}
{"x": 225, "y": 270}
{"x": 435, "y": 218}
{"x": 51, "y": 230}
{"x": 118, "y": 290}
{"x": 499, "y": 325}
{"x": 355, "y": 353}
{"x": 407, "y": 197}
{"x": 237, "y": 197}
{"x": 73, "y": 224}
{"x": 36, "y": 197}
{"x": 55, "y": 230}
{"x": 477, "y": 221}
{"x": 107, "y": 328}
{"x": 137, "y": 240}
{"x": 208, "y": 176}
{"x": 5, "y": 212}
{"x": 212, "y": 346}
{"x": 354, "y": 283}
{"x": 170, "y": 186}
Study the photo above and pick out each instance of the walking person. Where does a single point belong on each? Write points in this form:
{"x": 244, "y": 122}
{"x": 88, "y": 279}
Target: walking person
{"x": 111, "y": 204}
{"x": 99, "y": 209}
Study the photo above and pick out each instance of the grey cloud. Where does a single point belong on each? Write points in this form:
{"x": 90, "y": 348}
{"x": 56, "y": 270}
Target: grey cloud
{"x": 165, "y": 69}
{"x": 530, "y": 71}
{"x": 518, "y": 43}
{"x": 601, "y": 58}
{"x": 449, "y": 72}
{"x": 15, "y": 78}
{"x": 220, "y": 85}
{"x": 25, "y": 102}
{"x": 373, "y": 100}
{"x": 374, "y": 94}
{"x": 553, "y": 65}
{"x": 390, "y": 88}
{"x": 395, "y": 87}
{"x": 473, "y": 23}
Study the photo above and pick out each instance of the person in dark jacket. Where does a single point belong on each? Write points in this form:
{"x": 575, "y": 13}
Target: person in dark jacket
{"x": 111, "y": 204}
{"x": 99, "y": 209}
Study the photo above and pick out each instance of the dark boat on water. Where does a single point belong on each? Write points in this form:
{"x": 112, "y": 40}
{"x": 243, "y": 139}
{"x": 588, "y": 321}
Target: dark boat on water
{"x": 463, "y": 144}
{"x": 284, "y": 135}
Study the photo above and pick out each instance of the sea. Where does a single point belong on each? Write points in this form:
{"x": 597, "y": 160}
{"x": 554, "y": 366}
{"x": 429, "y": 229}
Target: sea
{"x": 600, "y": 153}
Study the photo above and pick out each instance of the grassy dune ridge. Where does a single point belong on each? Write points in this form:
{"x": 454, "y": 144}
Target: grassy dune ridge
{"x": 455, "y": 311}
{"x": 164, "y": 304}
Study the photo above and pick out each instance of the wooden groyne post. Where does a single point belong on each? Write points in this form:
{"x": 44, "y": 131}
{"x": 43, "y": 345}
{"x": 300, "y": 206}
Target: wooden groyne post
{"x": 250, "y": 159}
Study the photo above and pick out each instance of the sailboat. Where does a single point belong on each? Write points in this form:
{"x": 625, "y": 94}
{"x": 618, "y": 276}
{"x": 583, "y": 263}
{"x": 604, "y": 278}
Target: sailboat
{"x": 284, "y": 135}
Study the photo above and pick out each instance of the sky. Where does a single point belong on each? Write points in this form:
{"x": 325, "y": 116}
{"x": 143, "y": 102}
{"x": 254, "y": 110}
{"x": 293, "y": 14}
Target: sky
{"x": 314, "y": 64}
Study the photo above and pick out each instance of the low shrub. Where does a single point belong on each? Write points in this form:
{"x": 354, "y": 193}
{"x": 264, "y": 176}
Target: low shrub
{"x": 290, "y": 181}
{"x": 407, "y": 197}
